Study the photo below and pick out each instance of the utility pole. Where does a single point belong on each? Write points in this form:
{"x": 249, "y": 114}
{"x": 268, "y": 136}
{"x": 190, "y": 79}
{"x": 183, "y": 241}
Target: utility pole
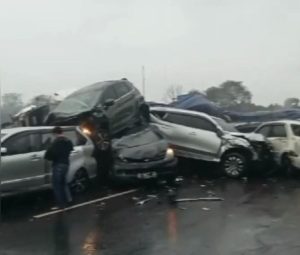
{"x": 143, "y": 82}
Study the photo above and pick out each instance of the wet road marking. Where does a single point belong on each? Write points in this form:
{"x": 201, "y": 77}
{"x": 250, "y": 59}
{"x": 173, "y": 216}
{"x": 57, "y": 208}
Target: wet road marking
{"x": 39, "y": 216}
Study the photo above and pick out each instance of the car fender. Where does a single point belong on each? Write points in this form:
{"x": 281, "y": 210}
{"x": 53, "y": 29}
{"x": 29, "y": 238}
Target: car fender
{"x": 231, "y": 143}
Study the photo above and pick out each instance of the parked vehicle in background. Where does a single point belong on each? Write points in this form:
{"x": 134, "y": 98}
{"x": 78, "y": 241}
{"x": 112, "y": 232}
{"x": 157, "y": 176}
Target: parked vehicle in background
{"x": 23, "y": 167}
{"x": 199, "y": 136}
{"x": 119, "y": 101}
{"x": 285, "y": 139}
{"x": 143, "y": 154}
{"x": 247, "y": 127}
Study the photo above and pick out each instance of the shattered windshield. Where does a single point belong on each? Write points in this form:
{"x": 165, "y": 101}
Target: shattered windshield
{"x": 79, "y": 102}
{"x": 229, "y": 127}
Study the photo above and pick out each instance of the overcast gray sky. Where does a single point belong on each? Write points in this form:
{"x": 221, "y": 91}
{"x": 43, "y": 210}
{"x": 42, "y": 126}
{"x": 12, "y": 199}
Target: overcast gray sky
{"x": 54, "y": 45}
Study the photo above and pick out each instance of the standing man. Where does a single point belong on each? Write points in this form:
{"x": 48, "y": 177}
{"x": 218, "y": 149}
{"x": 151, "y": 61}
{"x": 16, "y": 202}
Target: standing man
{"x": 59, "y": 153}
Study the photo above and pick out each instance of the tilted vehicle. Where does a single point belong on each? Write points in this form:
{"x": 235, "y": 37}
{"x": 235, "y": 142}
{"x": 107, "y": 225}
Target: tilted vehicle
{"x": 24, "y": 168}
{"x": 285, "y": 139}
{"x": 199, "y": 136}
{"x": 119, "y": 101}
{"x": 143, "y": 154}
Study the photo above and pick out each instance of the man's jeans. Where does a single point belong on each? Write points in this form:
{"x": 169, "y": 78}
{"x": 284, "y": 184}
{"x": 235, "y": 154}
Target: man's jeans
{"x": 60, "y": 185}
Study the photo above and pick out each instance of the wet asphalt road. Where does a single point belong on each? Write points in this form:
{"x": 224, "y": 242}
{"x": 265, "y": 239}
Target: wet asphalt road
{"x": 257, "y": 216}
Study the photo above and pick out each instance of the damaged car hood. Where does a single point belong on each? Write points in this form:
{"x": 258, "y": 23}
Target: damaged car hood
{"x": 145, "y": 144}
{"x": 252, "y": 137}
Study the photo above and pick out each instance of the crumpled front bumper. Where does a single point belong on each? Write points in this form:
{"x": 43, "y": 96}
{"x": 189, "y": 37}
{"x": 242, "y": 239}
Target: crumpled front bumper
{"x": 134, "y": 171}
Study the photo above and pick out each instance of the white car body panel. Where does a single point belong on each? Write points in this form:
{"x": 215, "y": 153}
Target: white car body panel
{"x": 284, "y": 145}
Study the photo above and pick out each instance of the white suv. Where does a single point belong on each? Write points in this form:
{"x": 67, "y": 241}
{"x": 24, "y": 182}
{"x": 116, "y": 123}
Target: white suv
{"x": 24, "y": 168}
{"x": 285, "y": 139}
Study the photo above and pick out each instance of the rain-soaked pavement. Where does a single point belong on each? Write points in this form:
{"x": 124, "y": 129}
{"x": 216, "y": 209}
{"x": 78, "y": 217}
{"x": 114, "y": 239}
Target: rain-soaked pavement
{"x": 257, "y": 216}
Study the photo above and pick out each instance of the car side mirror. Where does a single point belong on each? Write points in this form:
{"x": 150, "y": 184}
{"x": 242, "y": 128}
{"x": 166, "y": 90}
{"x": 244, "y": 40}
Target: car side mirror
{"x": 3, "y": 151}
{"x": 109, "y": 102}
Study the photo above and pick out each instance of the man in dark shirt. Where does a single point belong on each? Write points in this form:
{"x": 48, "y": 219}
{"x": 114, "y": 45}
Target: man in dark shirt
{"x": 59, "y": 153}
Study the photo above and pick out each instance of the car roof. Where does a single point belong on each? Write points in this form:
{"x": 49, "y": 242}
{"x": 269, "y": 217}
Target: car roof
{"x": 176, "y": 110}
{"x": 15, "y": 130}
{"x": 99, "y": 85}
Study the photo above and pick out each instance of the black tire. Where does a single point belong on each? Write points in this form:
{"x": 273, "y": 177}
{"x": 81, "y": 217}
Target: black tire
{"x": 80, "y": 182}
{"x": 234, "y": 164}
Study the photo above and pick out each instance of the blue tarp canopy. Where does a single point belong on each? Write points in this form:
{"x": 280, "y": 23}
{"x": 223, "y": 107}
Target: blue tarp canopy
{"x": 199, "y": 102}
{"x": 261, "y": 116}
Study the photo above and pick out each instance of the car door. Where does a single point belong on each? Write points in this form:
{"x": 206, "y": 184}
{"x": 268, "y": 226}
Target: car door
{"x": 204, "y": 136}
{"x": 112, "y": 112}
{"x": 23, "y": 165}
{"x": 170, "y": 124}
{"x": 127, "y": 104}
{"x": 279, "y": 138}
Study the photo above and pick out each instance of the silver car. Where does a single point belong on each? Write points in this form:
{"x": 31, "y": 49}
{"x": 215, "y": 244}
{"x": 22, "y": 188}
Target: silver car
{"x": 24, "y": 168}
{"x": 199, "y": 136}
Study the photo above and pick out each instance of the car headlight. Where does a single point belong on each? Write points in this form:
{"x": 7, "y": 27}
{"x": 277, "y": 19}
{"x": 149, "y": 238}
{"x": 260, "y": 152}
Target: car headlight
{"x": 170, "y": 153}
{"x": 86, "y": 131}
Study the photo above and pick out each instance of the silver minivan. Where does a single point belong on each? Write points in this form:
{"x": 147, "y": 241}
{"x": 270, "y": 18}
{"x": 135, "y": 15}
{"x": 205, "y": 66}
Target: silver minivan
{"x": 199, "y": 136}
{"x": 24, "y": 168}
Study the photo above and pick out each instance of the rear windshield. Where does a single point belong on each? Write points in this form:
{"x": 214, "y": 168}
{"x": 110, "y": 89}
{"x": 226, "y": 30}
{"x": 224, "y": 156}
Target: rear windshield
{"x": 296, "y": 129}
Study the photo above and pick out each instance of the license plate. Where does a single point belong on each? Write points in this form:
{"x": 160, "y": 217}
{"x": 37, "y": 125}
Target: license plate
{"x": 148, "y": 175}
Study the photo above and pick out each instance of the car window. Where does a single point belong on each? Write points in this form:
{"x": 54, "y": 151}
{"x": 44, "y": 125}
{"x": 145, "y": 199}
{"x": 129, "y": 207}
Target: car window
{"x": 265, "y": 130}
{"x": 278, "y": 131}
{"x": 296, "y": 129}
{"x": 22, "y": 143}
{"x": 201, "y": 123}
{"x": 109, "y": 93}
{"x": 190, "y": 121}
{"x": 174, "y": 118}
{"x": 121, "y": 89}
{"x": 159, "y": 114}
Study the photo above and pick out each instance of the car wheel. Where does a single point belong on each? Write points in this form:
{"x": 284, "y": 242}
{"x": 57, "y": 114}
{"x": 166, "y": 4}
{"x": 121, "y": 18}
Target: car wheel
{"x": 234, "y": 164}
{"x": 80, "y": 182}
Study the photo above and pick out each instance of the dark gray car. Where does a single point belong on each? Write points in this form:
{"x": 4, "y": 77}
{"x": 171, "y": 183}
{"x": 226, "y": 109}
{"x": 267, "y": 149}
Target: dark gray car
{"x": 120, "y": 101}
